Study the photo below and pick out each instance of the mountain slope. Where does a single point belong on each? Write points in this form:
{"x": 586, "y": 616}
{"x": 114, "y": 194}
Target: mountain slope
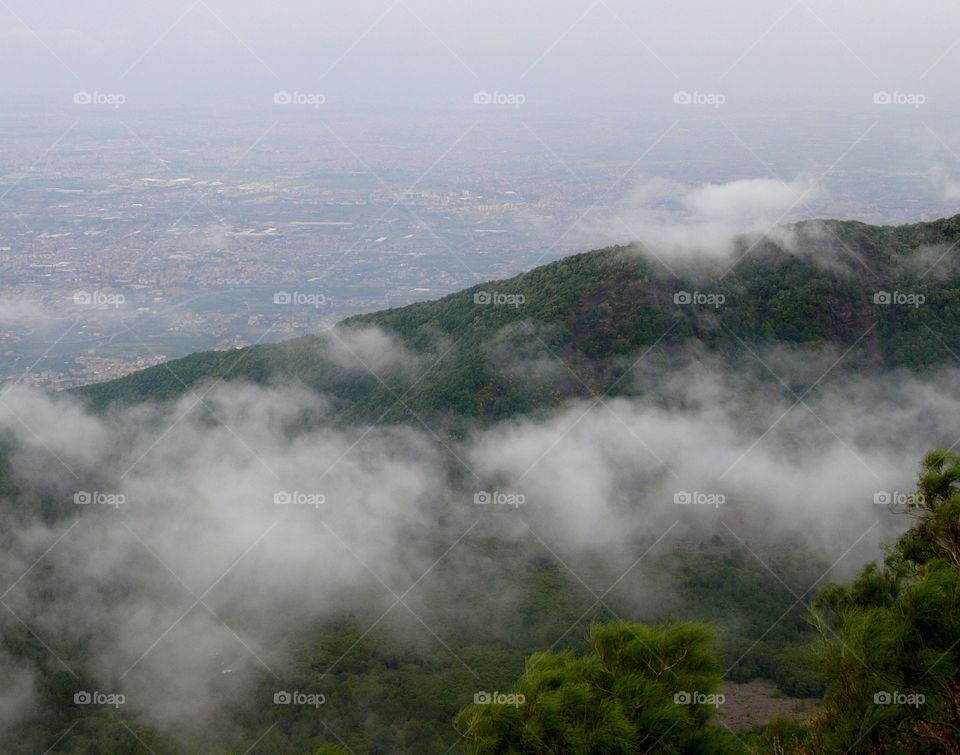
{"x": 570, "y": 328}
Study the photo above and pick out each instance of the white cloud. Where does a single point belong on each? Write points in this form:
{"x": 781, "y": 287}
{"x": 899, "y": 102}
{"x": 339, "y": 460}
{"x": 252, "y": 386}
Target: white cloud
{"x": 22, "y": 312}
{"x": 679, "y": 221}
{"x": 944, "y": 183}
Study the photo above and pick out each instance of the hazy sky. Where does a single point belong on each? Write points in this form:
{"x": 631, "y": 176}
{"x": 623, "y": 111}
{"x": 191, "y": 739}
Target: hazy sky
{"x": 762, "y": 55}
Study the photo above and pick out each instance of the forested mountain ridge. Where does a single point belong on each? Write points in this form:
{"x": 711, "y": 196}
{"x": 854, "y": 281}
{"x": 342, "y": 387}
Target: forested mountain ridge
{"x": 886, "y": 295}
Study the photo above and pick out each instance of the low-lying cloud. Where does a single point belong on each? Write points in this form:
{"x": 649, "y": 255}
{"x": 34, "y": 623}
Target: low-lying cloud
{"x": 230, "y": 513}
{"x": 684, "y": 222}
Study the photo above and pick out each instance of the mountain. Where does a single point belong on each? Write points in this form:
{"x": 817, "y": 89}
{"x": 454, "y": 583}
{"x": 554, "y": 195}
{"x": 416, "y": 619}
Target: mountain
{"x": 509, "y": 603}
{"x": 884, "y": 297}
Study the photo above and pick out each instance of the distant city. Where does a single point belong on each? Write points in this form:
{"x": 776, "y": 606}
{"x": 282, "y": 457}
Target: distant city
{"x": 127, "y": 239}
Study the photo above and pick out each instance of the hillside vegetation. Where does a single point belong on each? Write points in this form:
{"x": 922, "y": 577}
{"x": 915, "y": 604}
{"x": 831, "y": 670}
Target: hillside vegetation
{"x": 595, "y": 310}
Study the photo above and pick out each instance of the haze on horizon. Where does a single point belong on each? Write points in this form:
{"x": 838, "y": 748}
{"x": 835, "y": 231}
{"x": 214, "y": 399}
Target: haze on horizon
{"x": 763, "y": 55}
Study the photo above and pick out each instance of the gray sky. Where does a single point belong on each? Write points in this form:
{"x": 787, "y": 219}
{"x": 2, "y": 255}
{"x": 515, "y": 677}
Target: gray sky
{"x": 762, "y": 55}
